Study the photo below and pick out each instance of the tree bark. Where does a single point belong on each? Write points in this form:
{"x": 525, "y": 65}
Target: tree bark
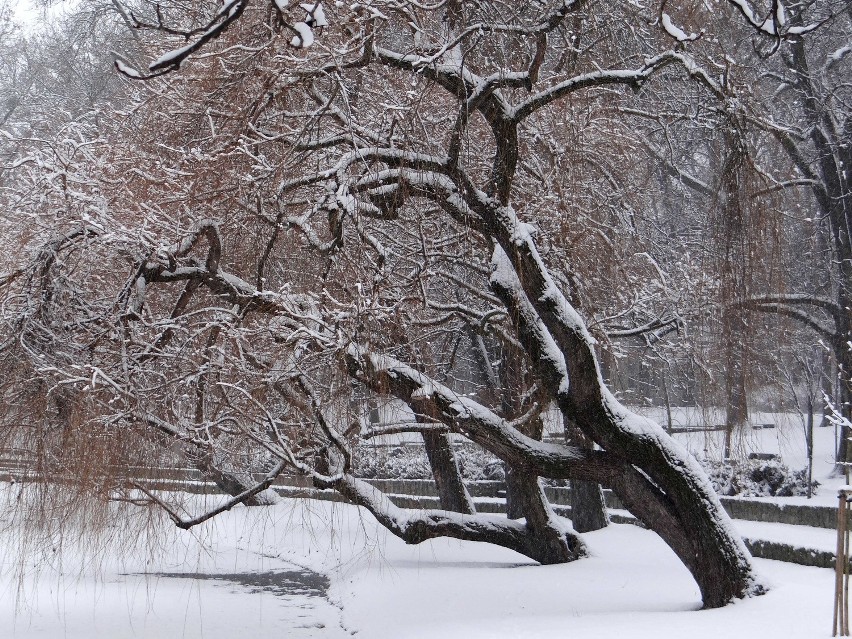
{"x": 514, "y": 503}
{"x": 588, "y": 508}
{"x": 445, "y": 469}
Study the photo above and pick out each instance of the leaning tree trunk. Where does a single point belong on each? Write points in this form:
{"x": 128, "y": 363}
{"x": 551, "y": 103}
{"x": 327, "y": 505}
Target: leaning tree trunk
{"x": 654, "y": 478}
{"x": 661, "y": 483}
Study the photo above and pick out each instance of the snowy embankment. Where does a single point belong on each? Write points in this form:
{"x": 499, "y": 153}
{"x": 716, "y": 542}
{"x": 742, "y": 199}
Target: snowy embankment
{"x": 380, "y": 588}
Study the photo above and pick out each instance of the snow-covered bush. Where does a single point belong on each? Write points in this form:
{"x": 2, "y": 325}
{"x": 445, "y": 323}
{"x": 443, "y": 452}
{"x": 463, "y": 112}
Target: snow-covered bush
{"x": 751, "y": 478}
{"x": 757, "y": 478}
{"x": 410, "y": 462}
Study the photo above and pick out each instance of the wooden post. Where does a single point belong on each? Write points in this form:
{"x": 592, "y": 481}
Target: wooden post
{"x": 844, "y": 566}
{"x": 841, "y": 565}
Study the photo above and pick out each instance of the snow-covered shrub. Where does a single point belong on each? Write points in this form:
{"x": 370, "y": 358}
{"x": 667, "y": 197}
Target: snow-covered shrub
{"x": 410, "y": 462}
{"x": 751, "y": 478}
{"x": 391, "y": 462}
{"x": 757, "y": 478}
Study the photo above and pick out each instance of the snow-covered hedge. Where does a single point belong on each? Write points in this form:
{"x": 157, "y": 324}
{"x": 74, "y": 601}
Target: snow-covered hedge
{"x": 757, "y": 478}
{"x": 752, "y": 478}
{"x": 410, "y": 462}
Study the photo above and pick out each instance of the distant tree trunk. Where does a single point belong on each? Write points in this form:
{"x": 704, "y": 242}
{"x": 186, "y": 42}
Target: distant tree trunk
{"x": 736, "y": 397}
{"x": 667, "y": 399}
{"x": 843, "y": 355}
{"x": 588, "y": 507}
{"x": 832, "y": 190}
{"x": 733, "y": 230}
{"x": 445, "y": 469}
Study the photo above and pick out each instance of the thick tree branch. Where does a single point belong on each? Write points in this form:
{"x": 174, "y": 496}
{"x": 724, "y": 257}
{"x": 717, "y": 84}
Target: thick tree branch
{"x": 386, "y": 375}
{"x": 415, "y": 527}
{"x": 634, "y": 78}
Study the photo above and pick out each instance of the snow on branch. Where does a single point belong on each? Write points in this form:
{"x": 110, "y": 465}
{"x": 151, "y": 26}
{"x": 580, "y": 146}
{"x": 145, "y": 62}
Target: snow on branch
{"x": 676, "y": 32}
{"x": 227, "y": 15}
{"x": 417, "y": 526}
{"x": 837, "y": 56}
{"x": 787, "y": 305}
{"x": 386, "y": 375}
{"x": 242, "y": 498}
{"x": 776, "y": 23}
{"x": 795, "y": 299}
{"x": 634, "y": 78}
{"x": 657, "y": 328}
{"x": 833, "y": 415}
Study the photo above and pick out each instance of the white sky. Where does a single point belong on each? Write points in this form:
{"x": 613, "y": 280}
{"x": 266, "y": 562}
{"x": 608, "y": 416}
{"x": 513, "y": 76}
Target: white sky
{"x": 24, "y": 11}
{"x": 28, "y": 13}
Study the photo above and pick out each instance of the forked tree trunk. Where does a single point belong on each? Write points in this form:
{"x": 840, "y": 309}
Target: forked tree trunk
{"x": 554, "y": 543}
{"x": 660, "y": 483}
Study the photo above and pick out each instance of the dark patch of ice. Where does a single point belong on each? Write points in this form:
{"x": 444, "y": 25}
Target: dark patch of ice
{"x": 281, "y": 583}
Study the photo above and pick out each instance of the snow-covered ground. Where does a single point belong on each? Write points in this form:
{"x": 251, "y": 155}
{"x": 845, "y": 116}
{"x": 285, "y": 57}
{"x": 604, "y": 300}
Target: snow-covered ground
{"x": 633, "y": 586}
{"x": 303, "y": 569}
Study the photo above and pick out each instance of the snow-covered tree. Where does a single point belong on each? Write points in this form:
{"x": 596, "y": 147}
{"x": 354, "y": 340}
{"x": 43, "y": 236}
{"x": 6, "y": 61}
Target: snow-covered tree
{"x": 306, "y": 209}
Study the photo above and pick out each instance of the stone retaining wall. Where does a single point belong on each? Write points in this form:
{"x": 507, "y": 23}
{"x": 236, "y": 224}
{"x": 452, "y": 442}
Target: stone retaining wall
{"x": 795, "y": 514}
